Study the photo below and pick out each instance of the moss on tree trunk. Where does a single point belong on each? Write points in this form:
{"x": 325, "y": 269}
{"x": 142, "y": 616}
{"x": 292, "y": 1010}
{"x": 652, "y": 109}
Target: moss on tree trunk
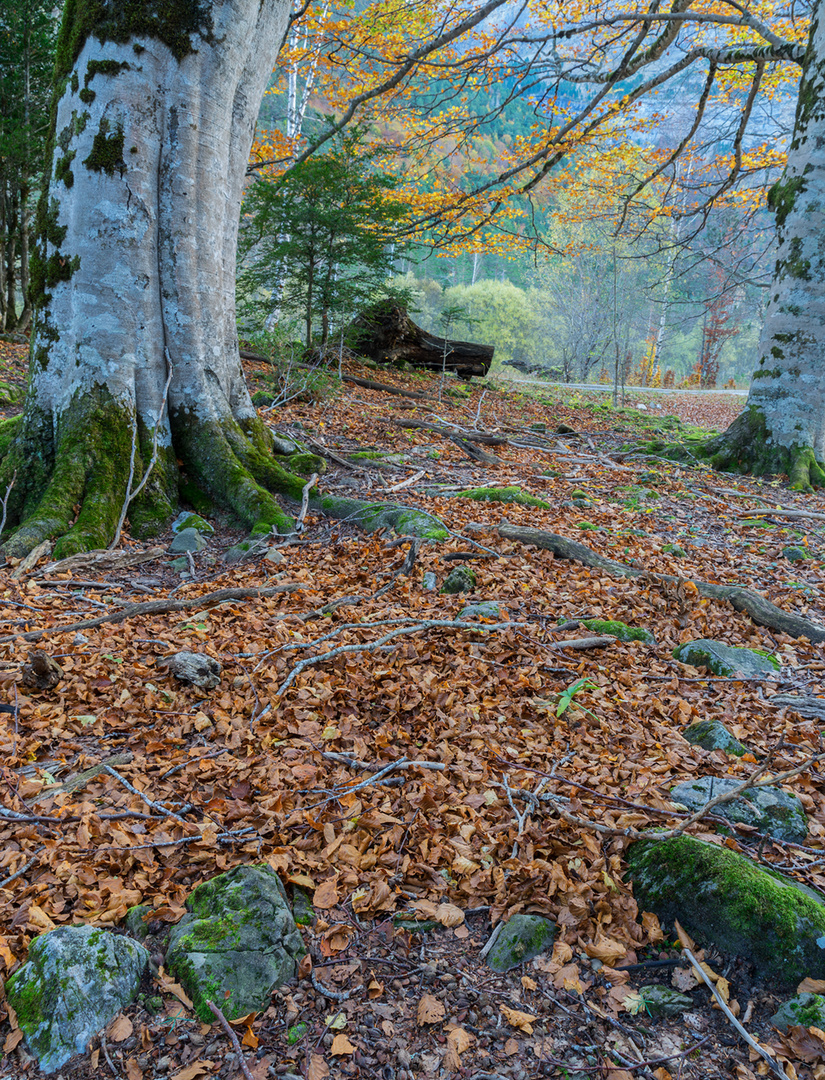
{"x": 746, "y": 447}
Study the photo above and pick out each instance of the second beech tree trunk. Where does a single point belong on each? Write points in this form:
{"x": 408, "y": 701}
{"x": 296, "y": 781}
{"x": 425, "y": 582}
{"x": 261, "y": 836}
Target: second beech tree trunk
{"x": 783, "y": 426}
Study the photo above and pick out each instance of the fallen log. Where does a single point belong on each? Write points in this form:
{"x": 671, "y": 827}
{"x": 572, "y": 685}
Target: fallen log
{"x": 387, "y": 334}
{"x": 762, "y": 611}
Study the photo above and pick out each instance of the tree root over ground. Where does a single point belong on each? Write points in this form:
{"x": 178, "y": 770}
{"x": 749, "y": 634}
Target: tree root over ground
{"x": 762, "y": 611}
{"x": 746, "y": 447}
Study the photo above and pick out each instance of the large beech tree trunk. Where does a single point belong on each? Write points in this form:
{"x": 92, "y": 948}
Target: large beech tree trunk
{"x": 783, "y": 426}
{"x": 134, "y": 274}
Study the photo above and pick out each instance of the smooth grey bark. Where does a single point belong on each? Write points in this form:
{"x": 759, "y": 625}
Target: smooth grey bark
{"x": 783, "y": 426}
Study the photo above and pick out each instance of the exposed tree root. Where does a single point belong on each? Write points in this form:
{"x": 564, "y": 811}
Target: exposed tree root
{"x": 762, "y": 611}
{"x": 72, "y": 485}
{"x": 746, "y": 447}
{"x": 156, "y": 607}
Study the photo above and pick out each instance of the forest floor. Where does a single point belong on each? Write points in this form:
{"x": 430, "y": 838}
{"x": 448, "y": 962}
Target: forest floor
{"x": 271, "y": 774}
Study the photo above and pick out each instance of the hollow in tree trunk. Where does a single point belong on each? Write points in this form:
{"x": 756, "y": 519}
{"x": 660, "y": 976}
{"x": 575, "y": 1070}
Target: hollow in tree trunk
{"x": 133, "y": 275}
{"x": 783, "y": 426}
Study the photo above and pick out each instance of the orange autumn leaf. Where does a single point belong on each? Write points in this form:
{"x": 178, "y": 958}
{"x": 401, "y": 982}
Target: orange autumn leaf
{"x": 341, "y": 1045}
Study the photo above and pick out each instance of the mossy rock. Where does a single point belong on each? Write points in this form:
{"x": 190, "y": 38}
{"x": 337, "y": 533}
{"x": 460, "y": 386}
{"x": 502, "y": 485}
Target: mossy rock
{"x": 134, "y": 921}
{"x": 621, "y": 631}
{"x": 795, "y": 554}
{"x": 674, "y": 550}
{"x": 768, "y": 809}
{"x": 187, "y": 540}
{"x": 503, "y": 495}
{"x": 658, "y": 1000}
{"x": 429, "y": 581}
{"x": 460, "y": 579}
{"x": 419, "y": 927}
{"x": 728, "y": 661}
{"x": 188, "y": 520}
{"x": 723, "y": 899}
{"x": 11, "y": 394}
{"x": 75, "y": 981}
{"x": 804, "y": 1010}
{"x": 485, "y": 609}
{"x": 237, "y": 944}
{"x": 713, "y": 735}
{"x": 305, "y": 464}
{"x": 302, "y": 909}
{"x": 519, "y": 940}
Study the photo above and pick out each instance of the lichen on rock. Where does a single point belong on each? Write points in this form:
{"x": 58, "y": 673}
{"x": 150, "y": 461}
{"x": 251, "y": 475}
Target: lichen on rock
{"x": 728, "y": 661}
{"x": 76, "y": 979}
{"x": 237, "y": 944}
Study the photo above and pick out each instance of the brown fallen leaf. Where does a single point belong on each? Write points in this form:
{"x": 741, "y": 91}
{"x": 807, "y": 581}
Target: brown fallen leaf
{"x": 430, "y": 1010}
{"x": 528, "y": 983}
{"x": 134, "y": 1071}
{"x": 318, "y": 1068}
{"x": 341, "y": 1045}
{"x": 121, "y": 1028}
{"x": 521, "y": 1020}
{"x": 684, "y": 978}
{"x": 459, "y": 1039}
{"x": 811, "y": 986}
{"x": 449, "y": 915}
{"x": 326, "y": 895}
{"x": 197, "y": 1068}
{"x": 511, "y": 1047}
{"x": 606, "y": 949}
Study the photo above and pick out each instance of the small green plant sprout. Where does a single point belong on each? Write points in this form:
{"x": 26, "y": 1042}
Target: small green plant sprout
{"x": 567, "y": 695}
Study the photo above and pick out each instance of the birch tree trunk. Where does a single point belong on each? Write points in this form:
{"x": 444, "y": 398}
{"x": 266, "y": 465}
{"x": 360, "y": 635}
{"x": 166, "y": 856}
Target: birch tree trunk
{"x": 134, "y": 275}
{"x": 783, "y": 426}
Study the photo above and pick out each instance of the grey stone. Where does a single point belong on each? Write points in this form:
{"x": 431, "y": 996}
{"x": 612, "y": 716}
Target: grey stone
{"x": 768, "y": 809}
{"x": 76, "y": 979}
{"x": 460, "y": 579}
{"x": 180, "y": 564}
{"x": 194, "y": 668}
{"x": 519, "y": 940}
{"x": 726, "y": 900}
{"x": 275, "y": 555}
{"x": 283, "y": 446}
{"x": 134, "y": 921}
{"x": 188, "y": 520}
{"x": 664, "y": 1000}
{"x": 237, "y": 944}
{"x": 429, "y": 581}
{"x": 486, "y": 609}
{"x": 187, "y": 540}
{"x": 804, "y": 1010}
{"x": 713, "y": 735}
{"x": 726, "y": 660}
{"x": 240, "y": 551}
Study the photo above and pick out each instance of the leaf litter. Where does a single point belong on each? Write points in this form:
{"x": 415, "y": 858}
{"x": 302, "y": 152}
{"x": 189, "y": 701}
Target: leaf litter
{"x": 394, "y": 779}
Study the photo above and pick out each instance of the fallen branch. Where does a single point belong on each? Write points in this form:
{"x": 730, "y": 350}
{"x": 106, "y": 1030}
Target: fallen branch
{"x": 80, "y": 779}
{"x": 720, "y": 1001}
{"x": 157, "y": 607}
{"x": 233, "y": 1038}
{"x": 452, "y": 431}
{"x": 762, "y": 611}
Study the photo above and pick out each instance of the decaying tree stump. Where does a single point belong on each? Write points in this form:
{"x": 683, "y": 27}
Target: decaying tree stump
{"x": 387, "y": 334}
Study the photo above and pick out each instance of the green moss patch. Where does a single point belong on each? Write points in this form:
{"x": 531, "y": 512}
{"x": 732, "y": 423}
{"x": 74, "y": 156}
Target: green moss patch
{"x": 722, "y": 898}
{"x": 615, "y": 628}
{"x": 503, "y": 495}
